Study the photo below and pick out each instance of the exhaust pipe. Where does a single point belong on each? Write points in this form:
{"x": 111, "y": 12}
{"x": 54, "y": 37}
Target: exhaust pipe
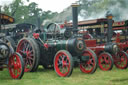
{"x": 75, "y": 16}
{"x": 0, "y": 19}
{"x": 109, "y": 30}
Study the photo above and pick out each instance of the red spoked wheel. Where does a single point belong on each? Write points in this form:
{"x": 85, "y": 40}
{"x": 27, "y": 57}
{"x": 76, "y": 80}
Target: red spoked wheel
{"x": 29, "y": 49}
{"x": 16, "y": 66}
{"x": 121, "y": 60}
{"x": 105, "y": 61}
{"x": 90, "y": 65}
{"x": 63, "y": 63}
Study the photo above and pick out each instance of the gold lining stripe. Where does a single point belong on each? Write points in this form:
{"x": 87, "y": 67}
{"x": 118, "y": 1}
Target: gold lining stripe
{"x": 67, "y": 44}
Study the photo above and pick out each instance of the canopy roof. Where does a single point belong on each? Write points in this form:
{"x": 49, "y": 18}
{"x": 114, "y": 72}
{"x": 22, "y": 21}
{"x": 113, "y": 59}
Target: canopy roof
{"x": 5, "y": 19}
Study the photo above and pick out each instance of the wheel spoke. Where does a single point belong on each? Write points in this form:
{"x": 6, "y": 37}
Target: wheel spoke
{"x": 105, "y": 62}
{"x": 62, "y": 64}
{"x": 122, "y": 61}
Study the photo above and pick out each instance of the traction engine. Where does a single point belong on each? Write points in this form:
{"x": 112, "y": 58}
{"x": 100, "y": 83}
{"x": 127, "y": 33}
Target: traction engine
{"x": 8, "y": 58}
{"x": 56, "y": 49}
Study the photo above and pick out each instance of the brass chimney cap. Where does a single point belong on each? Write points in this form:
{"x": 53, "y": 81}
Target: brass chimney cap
{"x": 75, "y": 5}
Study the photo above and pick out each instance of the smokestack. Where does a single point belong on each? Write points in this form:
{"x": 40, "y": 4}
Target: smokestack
{"x": 110, "y": 22}
{"x": 75, "y": 16}
{"x": 0, "y": 18}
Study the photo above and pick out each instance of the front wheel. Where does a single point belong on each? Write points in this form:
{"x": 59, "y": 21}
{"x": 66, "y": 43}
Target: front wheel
{"x": 105, "y": 61}
{"x": 63, "y": 63}
{"x": 89, "y": 66}
{"x": 16, "y": 66}
{"x": 121, "y": 60}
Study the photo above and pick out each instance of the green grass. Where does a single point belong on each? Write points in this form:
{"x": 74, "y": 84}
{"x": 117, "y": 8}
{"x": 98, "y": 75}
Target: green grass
{"x": 49, "y": 77}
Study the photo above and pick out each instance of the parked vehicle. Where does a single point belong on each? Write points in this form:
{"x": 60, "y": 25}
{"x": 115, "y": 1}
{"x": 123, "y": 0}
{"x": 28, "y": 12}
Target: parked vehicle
{"x": 8, "y": 58}
{"x": 55, "y": 48}
{"x": 98, "y": 35}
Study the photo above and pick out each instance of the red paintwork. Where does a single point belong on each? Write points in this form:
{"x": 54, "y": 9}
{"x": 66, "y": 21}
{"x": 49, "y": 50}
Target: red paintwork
{"x": 120, "y": 62}
{"x": 87, "y": 36}
{"x": 104, "y": 63}
{"x": 92, "y": 44}
{"x": 14, "y": 66}
{"x": 97, "y": 48}
{"x": 46, "y": 45}
{"x": 29, "y": 53}
{"x": 62, "y": 64}
{"x": 62, "y": 26}
{"x": 88, "y": 67}
{"x": 123, "y": 45}
{"x": 36, "y": 35}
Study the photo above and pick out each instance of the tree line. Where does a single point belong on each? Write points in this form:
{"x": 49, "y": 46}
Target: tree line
{"x": 30, "y": 13}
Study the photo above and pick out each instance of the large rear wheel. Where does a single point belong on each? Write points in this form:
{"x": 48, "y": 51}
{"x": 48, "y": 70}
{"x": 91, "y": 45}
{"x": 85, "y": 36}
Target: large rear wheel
{"x": 29, "y": 49}
{"x": 90, "y": 65}
{"x": 63, "y": 63}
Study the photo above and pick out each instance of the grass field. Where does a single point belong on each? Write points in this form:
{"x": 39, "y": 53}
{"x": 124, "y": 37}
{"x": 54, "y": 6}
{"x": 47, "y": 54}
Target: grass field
{"x": 49, "y": 77}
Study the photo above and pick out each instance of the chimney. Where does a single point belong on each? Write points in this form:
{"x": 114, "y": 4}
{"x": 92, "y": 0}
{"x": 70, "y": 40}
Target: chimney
{"x": 109, "y": 30}
{"x": 0, "y": 18}
{"x": 75, "y": 16}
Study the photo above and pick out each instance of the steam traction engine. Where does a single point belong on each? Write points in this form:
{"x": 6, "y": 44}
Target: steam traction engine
{"x": 98, "y": 37}
{"x": 9, "y": 59}
{"x": 113, "y": 52}
{"x": 14, "y": 32}
{"x": 55, "y": 48}
{"x": 120, "y": 34}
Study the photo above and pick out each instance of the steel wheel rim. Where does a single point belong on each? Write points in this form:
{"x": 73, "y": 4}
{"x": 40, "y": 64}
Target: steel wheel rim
{"x": 88, "y": 66}
{"x": 121, "y": 61}
{"x": 26, "y": 50}
{"x": 104, "y": 62}
{"x": 62, "y": 64}
{"x": 15, "y": 67}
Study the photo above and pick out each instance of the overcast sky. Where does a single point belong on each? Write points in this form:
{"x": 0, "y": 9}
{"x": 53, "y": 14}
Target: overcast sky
{"x": 53, "y": 5}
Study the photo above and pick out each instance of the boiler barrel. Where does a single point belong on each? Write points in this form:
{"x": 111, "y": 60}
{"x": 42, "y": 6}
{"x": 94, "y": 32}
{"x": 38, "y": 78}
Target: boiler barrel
{"x": 74, "y": 45}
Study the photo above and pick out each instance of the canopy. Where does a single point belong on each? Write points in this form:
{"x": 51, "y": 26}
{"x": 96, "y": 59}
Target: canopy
{"x": 5, "y": 19}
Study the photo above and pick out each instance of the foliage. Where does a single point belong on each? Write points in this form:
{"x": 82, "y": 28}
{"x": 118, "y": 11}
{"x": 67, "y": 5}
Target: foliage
{"x": 89, "y": 9}
{"x": 27, "y": 13}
